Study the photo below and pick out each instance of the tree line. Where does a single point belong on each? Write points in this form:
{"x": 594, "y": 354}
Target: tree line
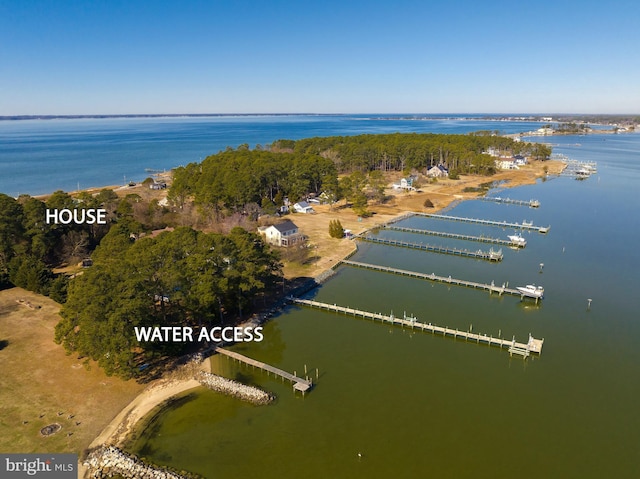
{"x": 187, "y": 277}
{"x": 30, "y": 248}
{"x": 179, "y": 278}
{"x": 414, "y": 151}
{"x": 231, "y": 180}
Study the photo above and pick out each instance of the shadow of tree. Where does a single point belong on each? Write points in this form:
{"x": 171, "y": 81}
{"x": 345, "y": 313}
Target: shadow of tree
{"x": 3, "y": 344}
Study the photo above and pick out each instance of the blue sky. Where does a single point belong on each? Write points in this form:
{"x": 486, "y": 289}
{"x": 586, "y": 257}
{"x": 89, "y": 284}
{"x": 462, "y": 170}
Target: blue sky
{"x": 121, "y": 57}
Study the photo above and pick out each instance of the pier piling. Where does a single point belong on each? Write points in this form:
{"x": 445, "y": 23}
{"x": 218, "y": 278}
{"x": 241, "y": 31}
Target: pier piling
{"x": 533, "y": 345}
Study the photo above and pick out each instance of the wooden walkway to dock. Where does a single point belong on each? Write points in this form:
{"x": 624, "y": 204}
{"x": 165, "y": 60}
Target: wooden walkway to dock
{"x": 509, "y": 201}
{"x": 442, "y": 234}
{"x": 504, "y": 224}
{"x": 533, "y": 345}
{"x": 490, "y": 255}
{"x": 299, "y": 384}
{"x": 492, "y": 288}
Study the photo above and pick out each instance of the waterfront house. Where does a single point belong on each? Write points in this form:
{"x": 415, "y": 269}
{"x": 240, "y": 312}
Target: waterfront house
{"x": 544, "y": 131}
{"x": 303, "y": 207}
{"x": 438, "y": 171}
{"x": 405, "y": 184}
{"x": 520, "y": 160}
{"x": 507, "y": 164}
{"x": 282, "y": 234}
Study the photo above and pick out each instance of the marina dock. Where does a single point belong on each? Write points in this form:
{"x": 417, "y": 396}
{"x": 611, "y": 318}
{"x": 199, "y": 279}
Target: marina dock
{"x": 575, "y": 168}
{"x": 490, "y": 255}
{"x": 509, "y": 201}
{"x": 480, "y": 239}
{"x": 503, "y": 224}
{"x": 299, "y": 384}
{"x": 533, "y": 345}
{"x": 492, "y": 287}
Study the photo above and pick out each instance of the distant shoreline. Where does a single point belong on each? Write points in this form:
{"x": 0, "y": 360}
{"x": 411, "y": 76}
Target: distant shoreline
{"x": 514, "y": 117}
{"x": 153, "y": 115}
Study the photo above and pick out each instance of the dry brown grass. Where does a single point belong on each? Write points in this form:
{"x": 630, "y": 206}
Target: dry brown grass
{"x": 38, "y": 381}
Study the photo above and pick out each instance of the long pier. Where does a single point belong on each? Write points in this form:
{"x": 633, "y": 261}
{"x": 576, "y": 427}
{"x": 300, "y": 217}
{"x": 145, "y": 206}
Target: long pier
{"x": 492, "y": 288}
{"x": 490, "y": 255}
{"x": 442, "y": 234}
{"x": 533, "y": 345}
{"x": 509, "y": 201}
{"x": 299, "y": 384}
{"x": 504, "y": 224}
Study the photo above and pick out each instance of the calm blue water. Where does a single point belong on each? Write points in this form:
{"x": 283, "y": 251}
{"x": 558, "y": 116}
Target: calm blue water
{"x": 41, "y": 156}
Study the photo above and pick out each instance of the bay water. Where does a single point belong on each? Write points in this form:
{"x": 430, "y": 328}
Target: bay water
{"x": 40, "y": 156}
{"x": 390, "y": 401}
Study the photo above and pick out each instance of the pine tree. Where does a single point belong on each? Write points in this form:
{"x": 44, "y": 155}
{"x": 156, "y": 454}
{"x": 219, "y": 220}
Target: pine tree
{"x": 335, "y": 229}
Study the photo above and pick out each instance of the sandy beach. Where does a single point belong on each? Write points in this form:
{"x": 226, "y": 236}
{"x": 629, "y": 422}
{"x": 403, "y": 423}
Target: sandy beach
{"x": 117, "y": 431}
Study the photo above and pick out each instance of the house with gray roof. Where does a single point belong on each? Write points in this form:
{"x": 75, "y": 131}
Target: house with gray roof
{"x": 303, "y": 207}
{"x": 282, "y": 234}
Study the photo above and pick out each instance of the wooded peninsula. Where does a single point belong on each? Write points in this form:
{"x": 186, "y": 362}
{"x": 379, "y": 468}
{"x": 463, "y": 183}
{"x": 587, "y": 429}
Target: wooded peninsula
{"x": 209, "y": 266}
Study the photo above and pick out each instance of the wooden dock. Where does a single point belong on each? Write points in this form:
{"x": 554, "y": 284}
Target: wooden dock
{"x": 509, "y": 201}
{"x": 490, "y": 255}
{"x": 533, "y": 345}
{"x": 492, "y": 288}
{"x": 299, "y": 384}
{"x": 442, "y": 234}
{"x": 503, "y": 224}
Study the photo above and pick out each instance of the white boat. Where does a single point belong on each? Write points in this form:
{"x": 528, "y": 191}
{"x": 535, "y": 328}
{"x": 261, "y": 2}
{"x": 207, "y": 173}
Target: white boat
{"x": 531, "y": 290}
{"x": 517, "y": 240}
{"x": 527, "y": 223}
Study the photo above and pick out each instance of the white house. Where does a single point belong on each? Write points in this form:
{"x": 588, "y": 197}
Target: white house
{"x": 520, "y": 160}
{"x": 544, "y": 131}
{"x": 405, "y": 184}
{"x": 491, "y": 151}
{"x": 438, "y": 171}
{"x": 282, "y": 234}
{"x": 303, "y": 207}
{"x": 507, "y": 164}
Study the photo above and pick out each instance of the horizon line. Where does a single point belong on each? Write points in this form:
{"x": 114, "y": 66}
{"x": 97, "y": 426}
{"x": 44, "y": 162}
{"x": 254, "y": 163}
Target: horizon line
{"x": 160, "y": 115}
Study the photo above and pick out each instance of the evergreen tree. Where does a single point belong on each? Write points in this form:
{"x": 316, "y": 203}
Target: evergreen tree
{"x": 335, "y": 229}
{"x": 178, "y": 278}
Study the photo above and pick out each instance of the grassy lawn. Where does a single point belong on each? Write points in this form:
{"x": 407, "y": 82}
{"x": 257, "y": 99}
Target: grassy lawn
{"x": 41, "y": 385}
